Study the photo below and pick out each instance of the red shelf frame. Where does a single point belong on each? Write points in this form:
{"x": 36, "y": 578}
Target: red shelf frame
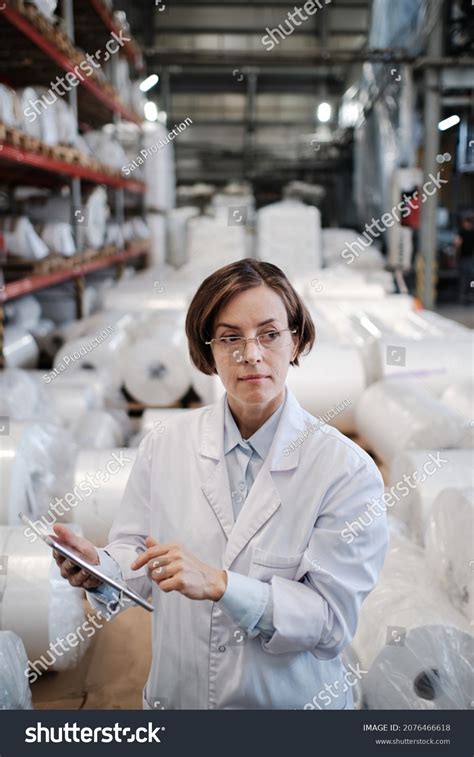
{"x": 33, "y": 159}
{"x": 30, "y": 31}
{"x": 131, "y": 49}
{"x": 29, "y": 284}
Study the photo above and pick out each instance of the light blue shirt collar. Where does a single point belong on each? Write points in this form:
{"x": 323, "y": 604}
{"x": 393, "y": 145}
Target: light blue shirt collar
{"x": 261, "y": 439}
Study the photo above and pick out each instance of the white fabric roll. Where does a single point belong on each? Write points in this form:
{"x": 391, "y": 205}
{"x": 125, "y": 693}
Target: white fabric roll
{"x": 19, "y": 348}
{"x": 156, "y": 371}
{"x": 396, "y": 415}
{"x": 329, "y": 382}
{"x": 98, "y": 429}
{"x": 36, "y": 603}
{"x": 449, "y": 546}
{"x": 15, "y": 692}
{"x": 96, "y": 512}
{"x": 460, "y": 398}
{"x": 417, "y": 648}
{"x": 289, "y": 236}
{"x": 443, "y": 468}
{"x": 436, "y": 364}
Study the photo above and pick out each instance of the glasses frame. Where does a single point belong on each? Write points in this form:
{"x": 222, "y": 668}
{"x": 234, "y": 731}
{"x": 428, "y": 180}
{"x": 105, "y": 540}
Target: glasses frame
{"x": 242, "y": 350}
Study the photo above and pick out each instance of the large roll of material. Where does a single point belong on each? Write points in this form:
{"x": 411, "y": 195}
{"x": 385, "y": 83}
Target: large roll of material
{"x": 289, "y": 236}
{"x": 19, "y": 348}
{"x": 417, "y": 648}
{"x": 329, "y": 382}
{"x": 460, "y": 398}
{"x": 98, "y": 429}
{"x": 35, "y": 602}
{"x": 15, "y": 692}
{"x": 86, "y": 353}
{"x": 449, "y": 546}
{"x": 97, "y": 511}
{"x": 156, "y": 370}
{"x": 35, "y": 467}
{"x": 396, "y": 415}
{"x": 436, "y": 364}
{"x": 429, "y": 472}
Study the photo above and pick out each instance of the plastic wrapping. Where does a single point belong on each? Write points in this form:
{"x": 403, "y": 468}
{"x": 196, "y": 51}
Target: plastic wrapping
{"x": 15, "y": 692}
{"x": 460, "y": 398}
{"x": 449, "y": 546}
{"x": 36, "y": 466}
{"x": 21, "y": 239}
{"x": 329, "y": 382}
{"x": 393, "y": 416}
{"x": 289, "y": 236}
{"x": 101, "y": 429}
{"x": 96, "y": 512}
{"x": 428, "y": 472}
{"x": 417, "y": 649}
{"x": 19, "y": 348}
{"x": 37, "y": 604}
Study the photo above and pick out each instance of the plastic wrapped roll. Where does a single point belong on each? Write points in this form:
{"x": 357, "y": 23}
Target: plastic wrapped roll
{"x": 36, "y": 603}
{"x": 36, "y": 465}
{"x": 15, "y": 692}
{"x": 156, "y": 372}
{"x": 19, "y": 348}
{"x": 98, "y": 429}
{"x": 208, "y": 388}
{"x": 435, "y": 364}
{"x": 289, "y": 236}
{"x": 428, "y": 472}
{"x": 96, "y": 512}
{"x": 58, "y": 236}
{"x": 87, "y": 353}
{"x": 449, "y": 546}
{"x": 329, "y": 382}
{"x": 416, "y": 647}
{"x": 24, "y": 312}
{"x": 72, "y": 403}
{"x": 396, "y": 415}
{"x": 460, "y": 398}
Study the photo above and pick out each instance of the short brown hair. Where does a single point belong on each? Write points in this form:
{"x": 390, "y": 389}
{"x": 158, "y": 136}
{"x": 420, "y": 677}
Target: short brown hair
{"x": 216, "y": 291}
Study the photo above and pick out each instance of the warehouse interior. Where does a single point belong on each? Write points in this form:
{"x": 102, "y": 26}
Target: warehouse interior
{"x": 145, "y": 145}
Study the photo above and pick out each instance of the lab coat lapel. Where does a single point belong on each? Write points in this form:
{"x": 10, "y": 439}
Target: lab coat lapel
{"x": 216, "y": 487}
{"x": 264, "y": 498}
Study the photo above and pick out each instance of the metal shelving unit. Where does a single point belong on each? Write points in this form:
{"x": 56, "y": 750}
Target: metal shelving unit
{"x": 43, "y": 52}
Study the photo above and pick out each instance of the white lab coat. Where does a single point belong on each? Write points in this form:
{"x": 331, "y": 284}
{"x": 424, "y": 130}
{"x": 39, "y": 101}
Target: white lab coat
{"x": 287, "y": 533}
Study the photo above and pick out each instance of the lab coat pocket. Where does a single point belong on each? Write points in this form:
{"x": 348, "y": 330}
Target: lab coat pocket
{"x": 265, "y": 565}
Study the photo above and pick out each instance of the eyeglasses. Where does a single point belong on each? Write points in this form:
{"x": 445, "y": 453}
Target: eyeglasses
{"x": 236, "y": 345}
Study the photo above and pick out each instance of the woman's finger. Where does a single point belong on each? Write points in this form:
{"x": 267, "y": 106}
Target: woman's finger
{"x": 148, "y": 555}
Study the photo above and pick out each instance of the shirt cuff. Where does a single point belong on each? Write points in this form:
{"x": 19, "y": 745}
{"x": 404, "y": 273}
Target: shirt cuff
{"x": 245, "y": 601}
{"x": 105, "y": 593}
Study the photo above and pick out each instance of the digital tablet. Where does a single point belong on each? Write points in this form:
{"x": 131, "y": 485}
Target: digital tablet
{"x": 94, "y": 570}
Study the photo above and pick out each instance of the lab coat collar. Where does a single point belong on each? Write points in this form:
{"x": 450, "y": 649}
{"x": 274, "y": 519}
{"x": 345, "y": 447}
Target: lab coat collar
{"x": 290, "y": 427}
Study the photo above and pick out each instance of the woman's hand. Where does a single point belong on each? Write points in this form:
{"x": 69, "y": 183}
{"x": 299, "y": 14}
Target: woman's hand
{"x": 76, "y": 576}
{"x": 173, "y": 568}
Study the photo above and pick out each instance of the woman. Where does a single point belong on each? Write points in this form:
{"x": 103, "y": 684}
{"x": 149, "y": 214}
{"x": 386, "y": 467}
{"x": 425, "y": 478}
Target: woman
{"x": 256, "y": 591}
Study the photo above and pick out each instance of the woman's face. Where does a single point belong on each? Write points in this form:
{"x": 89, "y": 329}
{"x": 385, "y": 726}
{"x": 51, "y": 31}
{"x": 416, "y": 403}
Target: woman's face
{"x": 251, "y": 313}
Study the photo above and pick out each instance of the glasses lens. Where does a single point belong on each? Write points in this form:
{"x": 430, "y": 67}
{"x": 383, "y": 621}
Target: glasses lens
{"x": 275, "y": 340}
